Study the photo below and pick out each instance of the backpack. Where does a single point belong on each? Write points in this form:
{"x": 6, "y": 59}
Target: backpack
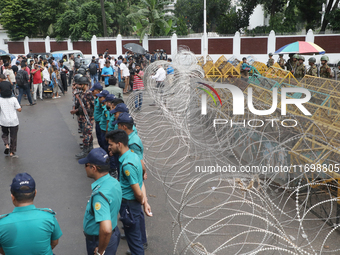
{"x": 20, "y": 78}
{"x": 93, "y": 69}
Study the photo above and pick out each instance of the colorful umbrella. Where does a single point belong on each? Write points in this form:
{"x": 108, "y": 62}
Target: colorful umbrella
{"x": 301, "y": 48}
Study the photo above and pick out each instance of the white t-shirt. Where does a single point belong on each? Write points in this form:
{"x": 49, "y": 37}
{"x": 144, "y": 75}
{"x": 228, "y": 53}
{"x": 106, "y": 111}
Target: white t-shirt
{"x": 160, "y": 74}
{"x": 8, "y": 113}
{"x": 46, "y": 74}
{"x": 10, "y": 73}
{"x": 125, "y": 70}
{"x": 101, "y": 62}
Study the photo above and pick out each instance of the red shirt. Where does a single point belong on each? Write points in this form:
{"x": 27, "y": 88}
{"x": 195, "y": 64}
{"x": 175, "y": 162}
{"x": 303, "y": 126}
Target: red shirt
{"x": 138, "y": 82}
{"x": 37, "y": 76}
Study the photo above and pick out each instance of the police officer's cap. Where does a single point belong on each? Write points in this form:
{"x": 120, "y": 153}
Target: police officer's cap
{"x": 97, "y": 156}
{"x": 104, "y": 93}
{"x": 23, "y": 180}
{"x": 97, "y": 86}
{"x": 109, "y": 98}
{"x": 123, "y": 118}
{"x": 83, "y": 80}
{"x": 120, "y": 108}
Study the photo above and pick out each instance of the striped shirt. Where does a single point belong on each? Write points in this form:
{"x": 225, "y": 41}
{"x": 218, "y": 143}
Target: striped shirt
{"x": 138, "y": 82}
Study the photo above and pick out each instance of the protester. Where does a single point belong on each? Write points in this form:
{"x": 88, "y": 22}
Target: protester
{"x": 37, "y": 81}
{"x": 138, "y": 87}
{"x": 23, "y": 79}
{"x": 125, "y": 74}
{"x": 9, "y": 121}
{"x": 55, "y": 84}
{"x": 107, "y": 72}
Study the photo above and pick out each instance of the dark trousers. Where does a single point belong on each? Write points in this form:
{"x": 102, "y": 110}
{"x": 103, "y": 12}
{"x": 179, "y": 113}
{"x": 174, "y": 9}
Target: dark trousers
{"x": 99, "y": 135}
{"x": 64, "y": 82}
{"x": 70, "y": 75}
{"x": 13, "y": 133}
{"x": 142, "y": 226}
{"x": 25, "y": 90}
{"x": 111, "y": 249}
{"x": 133, "y": 233}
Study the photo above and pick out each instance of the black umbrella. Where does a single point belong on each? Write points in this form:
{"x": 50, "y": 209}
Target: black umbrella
{"x": 135, "y": 48}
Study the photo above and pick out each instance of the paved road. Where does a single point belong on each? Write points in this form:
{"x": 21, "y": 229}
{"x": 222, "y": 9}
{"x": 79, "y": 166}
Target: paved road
{"x": 47, "y": 142}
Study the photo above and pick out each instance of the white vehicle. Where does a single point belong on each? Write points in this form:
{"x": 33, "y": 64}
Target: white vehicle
{"x": 68, "y": 53}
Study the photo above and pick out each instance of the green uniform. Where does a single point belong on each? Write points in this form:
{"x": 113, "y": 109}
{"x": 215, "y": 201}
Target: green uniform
{"x": 29, "y": 230}
{"x": 270, "y": 62}
{"x": 131, "y": 172}
{"x": 300, "y": 71}
{"x": 135, "y": 144}
{"x": 289, "y": 64}
{"x": 98, "y": 110}
{"x": 105, "y": 117}
{"x": 313, "y": 71}
{"x": 102, "y": 208}
{"x": 294, "y": 66}
{"x": 325, "y": 71}
{"x": 110, "y": 126}
{"x": 281, "y": 62}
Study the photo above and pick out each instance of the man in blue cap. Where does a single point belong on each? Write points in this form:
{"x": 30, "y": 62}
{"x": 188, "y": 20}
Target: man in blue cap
{"x": 100, "y": 219}
{"x": 125, "y": 122}
{"x": 96, "y": 89}
{"x": 101, "y": 97}
{"x": 133, "y": 189}
{"x": 27, "y": 230}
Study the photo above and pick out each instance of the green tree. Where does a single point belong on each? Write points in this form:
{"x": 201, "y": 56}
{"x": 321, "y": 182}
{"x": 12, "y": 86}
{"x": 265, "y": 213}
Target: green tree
{"x": 334, "y": 20}
{"x": 310, "y": 12}
{"x": 150, "y": 18}
{"x": 29, "y": 18}
{"x": 82, "y": 21}
{"x": 192, "y": 11}
{"x": 181, "y": 27}
{"x": 331, "y": 7}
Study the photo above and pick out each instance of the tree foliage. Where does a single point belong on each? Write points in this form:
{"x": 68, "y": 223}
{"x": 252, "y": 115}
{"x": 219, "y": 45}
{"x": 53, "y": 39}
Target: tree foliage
{"x": 82, "y": 21}
{"x": 29, "y": 17}
{"x": 192, "y": 11}
{"x": 181, "y": 27}
{"x": 150, "y": 17}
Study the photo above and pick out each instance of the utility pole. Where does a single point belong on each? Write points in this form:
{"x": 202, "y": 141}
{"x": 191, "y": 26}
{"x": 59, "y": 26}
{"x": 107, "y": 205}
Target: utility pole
{"x": 205, "y": 38}
{"x": 103, "y": 17}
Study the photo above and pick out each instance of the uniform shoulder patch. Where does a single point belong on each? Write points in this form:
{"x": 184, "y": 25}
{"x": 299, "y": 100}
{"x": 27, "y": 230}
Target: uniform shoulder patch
{"x": 127, "y": 173}
{"x": 97, "y": 206}
{"x": 132, "y": 151}
{"x": 47, "y": 210}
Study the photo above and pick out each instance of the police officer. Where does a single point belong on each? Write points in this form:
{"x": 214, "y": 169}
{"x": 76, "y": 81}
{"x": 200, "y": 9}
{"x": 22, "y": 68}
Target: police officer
{"x": 100, "y": 219}
{"x": 281, "y": 61}
{"x": 300, "y": 70}
{"x": 125, "y": 122}
{"x": 27, "y": 230}
{"x": 86, "y": 110}
{"x": 325, "y": 70}
{"x": 313, "y": 70}
{"x": 76, "y": 90}
{"x": 96, "y": 89}
{"x": 289, "y": 63}
{"x": 270, "y": 60}
{"x": 294, "y": 63}
{"x": 134, "y": 194}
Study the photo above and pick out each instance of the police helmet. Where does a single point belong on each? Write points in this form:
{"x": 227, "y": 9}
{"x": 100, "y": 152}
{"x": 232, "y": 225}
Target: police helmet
{"x": 83, "y": 80}
{"x": 270, "y": 54}
{"x": 82, "y": 71}
{"x": 296, "y": 56}
{"x": 77, "y": 77}
{"x": 325, "y": 58}
{"x": 302, "y": 58}
{"x": 312, "y": 60}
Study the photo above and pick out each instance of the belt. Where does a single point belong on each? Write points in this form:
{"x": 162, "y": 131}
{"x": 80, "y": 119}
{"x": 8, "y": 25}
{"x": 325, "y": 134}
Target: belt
{"x": 94, "y": 238}
{"x": 126, "y": 200}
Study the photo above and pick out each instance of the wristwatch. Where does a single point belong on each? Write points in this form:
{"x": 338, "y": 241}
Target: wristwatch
{"x": 97, "y": 253}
